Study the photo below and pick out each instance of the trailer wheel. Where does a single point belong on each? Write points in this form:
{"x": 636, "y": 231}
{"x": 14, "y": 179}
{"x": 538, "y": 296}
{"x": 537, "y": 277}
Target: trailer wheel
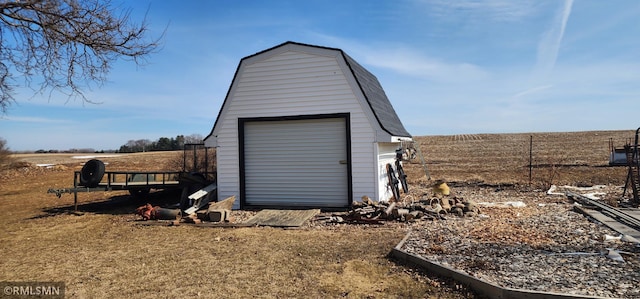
{"x": 91, "y": 173}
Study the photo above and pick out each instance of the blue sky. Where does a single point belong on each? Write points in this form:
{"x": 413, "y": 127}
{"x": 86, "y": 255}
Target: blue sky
{"x": 448, "y": 67}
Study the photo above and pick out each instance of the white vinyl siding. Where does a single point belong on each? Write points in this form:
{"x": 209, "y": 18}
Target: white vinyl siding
{"x": 386, "y": 155}
{"x": 288, "y": 82}
{"x": 296, "y": 163}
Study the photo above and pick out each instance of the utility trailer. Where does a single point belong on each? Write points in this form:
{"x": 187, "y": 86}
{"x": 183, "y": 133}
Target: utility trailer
{"x": 94, "y": 178}
{"x": 617, "y": 155}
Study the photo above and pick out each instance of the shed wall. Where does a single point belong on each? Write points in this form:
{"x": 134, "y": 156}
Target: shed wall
{"x": 386, "y": 155}
{"x": 294, "y": 83}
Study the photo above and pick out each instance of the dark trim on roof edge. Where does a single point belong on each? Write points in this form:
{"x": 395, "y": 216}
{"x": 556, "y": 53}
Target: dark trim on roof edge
{"x": 344, "y": 56}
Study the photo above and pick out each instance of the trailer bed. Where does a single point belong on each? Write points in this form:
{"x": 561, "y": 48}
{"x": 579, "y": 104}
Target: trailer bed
{"x": 126, "y": 180}
{"x": 96, "y": 178}
{"x": 132, "y": 181}
{"x": 151, "y": 184}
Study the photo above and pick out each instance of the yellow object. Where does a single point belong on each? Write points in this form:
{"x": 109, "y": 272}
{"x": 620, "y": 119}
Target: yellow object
{"x": 441, "y": 188}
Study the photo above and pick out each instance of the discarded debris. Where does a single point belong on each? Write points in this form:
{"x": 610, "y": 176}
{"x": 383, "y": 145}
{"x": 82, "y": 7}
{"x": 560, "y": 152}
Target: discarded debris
{"x": 614, "y": 255}
{"x": 609, "y": 238}
{"x": 200, "y": 198}
{"x": 220, "y": 211}
{"x": 621, "y": 238}
{"x": 149, "y": 212}
{"x": 630, "y": 239}
{"x": 215, "y": 212}
{"x": 440, "y": 188}
{"x": 187, "y": 219}
{"x": 370, "y": 212}
{"x": 505, "y": 204}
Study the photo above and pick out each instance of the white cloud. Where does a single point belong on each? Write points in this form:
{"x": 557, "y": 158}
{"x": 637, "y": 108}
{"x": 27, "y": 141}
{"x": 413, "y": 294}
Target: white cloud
{"x": 31, "y": 119}
{"x": 413, "y": 63}
{"x": 550, "y": 43}
{"x": 481, "y": 10}
{"x": 531, "y": 91}
{"x": 406, "y": 60}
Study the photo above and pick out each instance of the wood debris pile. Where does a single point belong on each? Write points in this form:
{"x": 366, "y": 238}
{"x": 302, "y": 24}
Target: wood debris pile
{"x": 372, "y": 212}
{"x": 219, "y": 212}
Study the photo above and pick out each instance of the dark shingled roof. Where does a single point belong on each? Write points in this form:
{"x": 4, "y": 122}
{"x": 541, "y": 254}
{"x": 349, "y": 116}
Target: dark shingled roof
{"x": 377, "y": 99}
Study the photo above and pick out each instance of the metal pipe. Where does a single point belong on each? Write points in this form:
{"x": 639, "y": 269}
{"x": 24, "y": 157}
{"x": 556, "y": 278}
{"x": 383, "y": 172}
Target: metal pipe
{"x": 75, "y": 193}
{"x": 530, "y": 158}
{"x": 635, "y": 148}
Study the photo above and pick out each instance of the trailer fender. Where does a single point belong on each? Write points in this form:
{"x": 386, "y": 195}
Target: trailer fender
{"x": 91, "y": 173}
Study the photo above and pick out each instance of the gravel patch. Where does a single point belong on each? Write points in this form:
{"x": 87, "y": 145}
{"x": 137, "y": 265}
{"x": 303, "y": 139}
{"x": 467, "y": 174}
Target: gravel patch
{"x": 543, "y": 246}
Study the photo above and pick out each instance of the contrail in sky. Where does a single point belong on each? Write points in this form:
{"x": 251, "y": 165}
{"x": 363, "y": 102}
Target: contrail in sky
{"x": 550, "y": 44}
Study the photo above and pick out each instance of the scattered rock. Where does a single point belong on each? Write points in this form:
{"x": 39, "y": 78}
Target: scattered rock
{"x": 538, "y": 244}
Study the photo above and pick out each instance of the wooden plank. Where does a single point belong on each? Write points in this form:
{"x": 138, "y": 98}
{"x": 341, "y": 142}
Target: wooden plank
{"x": 225, "y": 204}
{"x": 204, "y": 191}
{"x": 200, "y": 198}
{"x": 282, "y": 218}
{"x": 611, "y": 223}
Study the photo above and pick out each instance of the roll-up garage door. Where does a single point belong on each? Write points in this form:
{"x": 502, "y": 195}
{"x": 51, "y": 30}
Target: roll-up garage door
{"x": 296, "y": 163}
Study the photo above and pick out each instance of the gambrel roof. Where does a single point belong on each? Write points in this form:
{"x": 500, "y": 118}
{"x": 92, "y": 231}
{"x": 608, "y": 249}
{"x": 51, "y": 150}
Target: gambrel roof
{"x": 368, "y": 83}
{"x": 377, "y": 99}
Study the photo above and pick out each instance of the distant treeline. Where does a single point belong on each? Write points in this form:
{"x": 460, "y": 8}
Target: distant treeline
{"x": 72, "y": 151}
{"x": 162, "y": 144}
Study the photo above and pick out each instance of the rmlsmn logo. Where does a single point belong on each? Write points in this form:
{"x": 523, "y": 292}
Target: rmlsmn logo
{"x": 31, "y": 289}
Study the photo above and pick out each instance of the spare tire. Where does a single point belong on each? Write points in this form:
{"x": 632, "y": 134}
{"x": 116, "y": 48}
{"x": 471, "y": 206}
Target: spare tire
{"x": 91, "y": 173}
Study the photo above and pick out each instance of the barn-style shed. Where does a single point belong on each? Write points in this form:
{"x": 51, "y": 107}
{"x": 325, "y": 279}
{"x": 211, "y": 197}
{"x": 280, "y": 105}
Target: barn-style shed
{"x": 304, "y": 126}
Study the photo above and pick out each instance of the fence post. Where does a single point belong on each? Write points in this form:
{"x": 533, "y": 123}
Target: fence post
{"x": 530, "y": 158}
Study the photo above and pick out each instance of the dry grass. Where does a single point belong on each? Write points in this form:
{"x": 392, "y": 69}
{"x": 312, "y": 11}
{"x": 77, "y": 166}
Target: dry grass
{"x": 6, "y": 159}
{"x": 576, "y": 158}
{"x": 102, "y": 252}
{"x": 99, "y": 256}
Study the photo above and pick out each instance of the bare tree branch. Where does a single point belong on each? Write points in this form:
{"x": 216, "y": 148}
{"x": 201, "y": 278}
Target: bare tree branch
{"x": 64, "y": 45}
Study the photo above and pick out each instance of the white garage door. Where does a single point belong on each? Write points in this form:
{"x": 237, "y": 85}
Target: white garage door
{"x": 296, "y": 163}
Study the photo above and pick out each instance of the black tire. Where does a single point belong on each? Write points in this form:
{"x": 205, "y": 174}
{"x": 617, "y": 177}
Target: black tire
{"x": 393, "y": 182}
{"x": 91, "y": 173}
{"x": 402, "y": 177}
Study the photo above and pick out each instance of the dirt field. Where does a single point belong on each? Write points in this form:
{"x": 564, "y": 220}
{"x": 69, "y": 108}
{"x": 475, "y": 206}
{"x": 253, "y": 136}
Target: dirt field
{"x": 103, "y": 252}
{"x": 574, "y": 158}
